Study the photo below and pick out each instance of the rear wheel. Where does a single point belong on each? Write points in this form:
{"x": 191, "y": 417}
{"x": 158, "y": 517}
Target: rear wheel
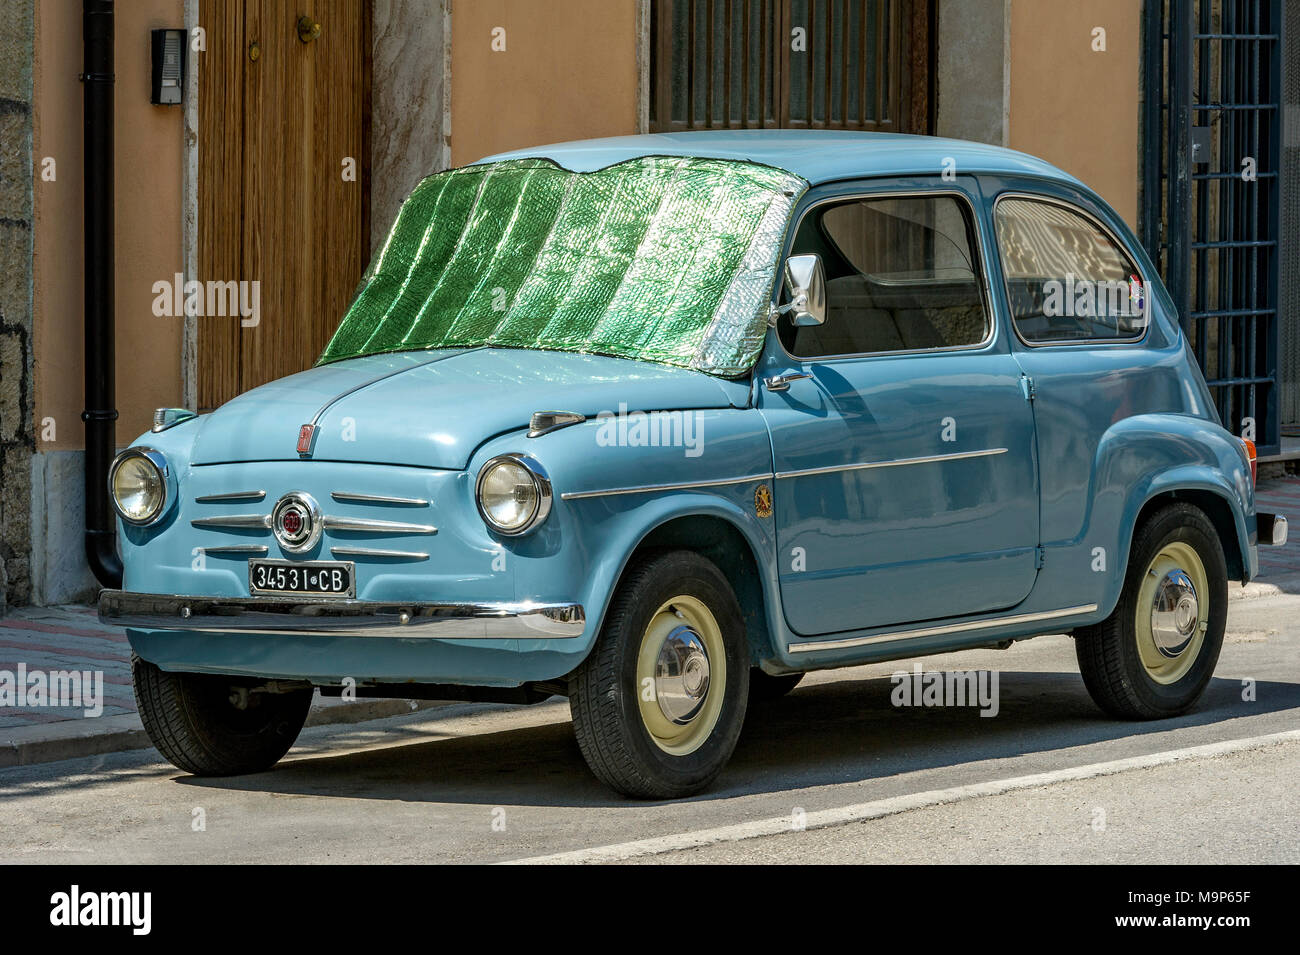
{"x": 216, "y": 725}
{"x": 1155, "y": 654}
{"x": 658, "y": 704}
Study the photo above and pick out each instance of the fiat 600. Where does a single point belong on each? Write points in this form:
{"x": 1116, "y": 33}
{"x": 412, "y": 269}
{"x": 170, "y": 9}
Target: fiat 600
{"x": 661, "y": 423}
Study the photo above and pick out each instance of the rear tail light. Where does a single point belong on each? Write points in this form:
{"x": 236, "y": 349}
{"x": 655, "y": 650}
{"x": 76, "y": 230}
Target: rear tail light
{"x": 1249, "y": 445}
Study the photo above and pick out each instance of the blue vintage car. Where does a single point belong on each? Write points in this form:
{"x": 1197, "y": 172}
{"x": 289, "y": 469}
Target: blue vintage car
{"x": 661, "y": 423}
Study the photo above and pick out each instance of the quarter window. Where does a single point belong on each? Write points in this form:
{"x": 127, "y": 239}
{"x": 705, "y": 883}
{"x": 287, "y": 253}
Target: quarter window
{"x": 902, "y": 275}
{"x": 1067, "y": 279}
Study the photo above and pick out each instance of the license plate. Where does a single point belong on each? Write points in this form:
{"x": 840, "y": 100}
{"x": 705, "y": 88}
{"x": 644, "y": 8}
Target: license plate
{"x": 314, "y": 578}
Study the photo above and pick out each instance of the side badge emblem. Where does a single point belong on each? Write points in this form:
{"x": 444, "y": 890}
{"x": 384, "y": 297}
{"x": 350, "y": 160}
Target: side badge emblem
{"x": 763, "y": 501}
{"x": 305, "y": 436}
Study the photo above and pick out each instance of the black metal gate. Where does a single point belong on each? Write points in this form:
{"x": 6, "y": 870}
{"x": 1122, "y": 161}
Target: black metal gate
{"x": 1211, "y": 196}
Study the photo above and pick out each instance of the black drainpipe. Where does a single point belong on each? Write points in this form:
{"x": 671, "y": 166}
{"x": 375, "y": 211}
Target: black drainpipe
{"x": 100, "y": 415}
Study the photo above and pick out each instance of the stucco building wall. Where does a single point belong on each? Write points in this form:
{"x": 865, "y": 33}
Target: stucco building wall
{"x": 148, "y": 147}
{"x": 569, "y": 70}
{"x": 1077, "y": 107}
{"x": 1025, "y": 74}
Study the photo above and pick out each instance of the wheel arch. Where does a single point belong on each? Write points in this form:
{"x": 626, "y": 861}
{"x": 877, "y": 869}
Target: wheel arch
{"x": 722, "y": 541}
{"x": 1214, "y": 504}
{"x": 1146, "y": 461}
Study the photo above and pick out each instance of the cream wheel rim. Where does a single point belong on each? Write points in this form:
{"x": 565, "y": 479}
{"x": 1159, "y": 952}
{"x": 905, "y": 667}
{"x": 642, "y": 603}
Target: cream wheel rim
{"x": 1173, "y": 613}
{"x": 681, "y": 675}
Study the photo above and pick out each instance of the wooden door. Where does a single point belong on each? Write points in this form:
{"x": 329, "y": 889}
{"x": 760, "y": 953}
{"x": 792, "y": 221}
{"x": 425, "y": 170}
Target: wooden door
{"x": 283, "y": 181}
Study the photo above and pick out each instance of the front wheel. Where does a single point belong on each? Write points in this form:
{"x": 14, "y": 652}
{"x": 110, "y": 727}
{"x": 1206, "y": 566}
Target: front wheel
{"x": 658, "y": 704}
{"x": 215, "y": 725}
{"x": 1155, "y": 654}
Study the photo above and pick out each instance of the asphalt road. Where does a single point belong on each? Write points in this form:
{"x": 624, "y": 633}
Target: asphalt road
{"x": 832, "y": 773}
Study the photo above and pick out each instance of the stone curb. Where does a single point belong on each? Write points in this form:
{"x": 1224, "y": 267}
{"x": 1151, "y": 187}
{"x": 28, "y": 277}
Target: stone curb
{"x": 1272, "y": 587}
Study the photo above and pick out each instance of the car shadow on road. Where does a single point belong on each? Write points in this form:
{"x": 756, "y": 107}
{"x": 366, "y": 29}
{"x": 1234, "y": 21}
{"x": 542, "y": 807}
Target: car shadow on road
{"x": 827, "y": 733}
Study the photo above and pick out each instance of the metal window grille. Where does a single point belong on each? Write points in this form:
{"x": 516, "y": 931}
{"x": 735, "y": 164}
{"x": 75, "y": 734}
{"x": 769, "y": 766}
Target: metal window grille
{"x": 1290, "y": 269}
{"x": 820, "y": 64}
{"x": 1212, "y": 191}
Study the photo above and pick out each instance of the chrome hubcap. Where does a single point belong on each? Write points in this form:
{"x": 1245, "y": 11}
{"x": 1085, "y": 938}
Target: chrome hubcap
{"x": 682, "y": 675}
{"x": 1175, "y": 613}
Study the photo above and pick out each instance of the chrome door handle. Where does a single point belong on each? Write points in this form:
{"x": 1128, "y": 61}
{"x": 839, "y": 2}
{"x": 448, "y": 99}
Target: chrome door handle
{"x": 782, "y": 382}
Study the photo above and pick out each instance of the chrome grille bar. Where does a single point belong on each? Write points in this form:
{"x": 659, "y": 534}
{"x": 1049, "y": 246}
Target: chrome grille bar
{"x": 365, "y": 525}
{"x": 261, "y": 521}
{"x": 350, "y": 496}
{"x": 231, "y": 496}
{"x": 378, "y": 552}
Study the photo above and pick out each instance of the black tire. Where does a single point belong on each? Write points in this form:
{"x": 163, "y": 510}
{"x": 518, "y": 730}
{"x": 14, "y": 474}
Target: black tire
{"x": 603, "y": 692}
{"x": 1108, "y": 653}
{"x": 191, "y": 720}
{"x": 763, "y": 687}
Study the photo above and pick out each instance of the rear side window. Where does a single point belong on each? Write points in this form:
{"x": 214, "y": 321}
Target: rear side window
{"x": 902, "y": 275}
{"x": 1067, "y": 279}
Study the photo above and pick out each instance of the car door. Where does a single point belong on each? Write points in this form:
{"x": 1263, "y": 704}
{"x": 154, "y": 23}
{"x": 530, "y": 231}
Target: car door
{"x": 905, "y": 485}
{"x": 1078, "y": 306}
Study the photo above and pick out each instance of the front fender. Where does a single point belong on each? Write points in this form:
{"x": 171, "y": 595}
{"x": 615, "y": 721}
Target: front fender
{"x": 585, "y": 545}
{"x": 630, "y": 530}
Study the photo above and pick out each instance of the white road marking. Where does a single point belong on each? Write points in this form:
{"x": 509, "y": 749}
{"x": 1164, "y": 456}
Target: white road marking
{"x": 862, "y": 812}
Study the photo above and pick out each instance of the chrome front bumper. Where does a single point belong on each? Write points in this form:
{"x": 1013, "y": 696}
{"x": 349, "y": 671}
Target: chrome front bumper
{"x": 342, "y": 618}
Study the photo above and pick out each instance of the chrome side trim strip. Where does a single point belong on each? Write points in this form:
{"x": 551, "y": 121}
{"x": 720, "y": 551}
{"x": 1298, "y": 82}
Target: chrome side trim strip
{"x": 232, "y": 496}
{"x": 262, "y": 521}
{"x": 894, "y": 463}
{"x": 651, "y": 488}
{"x": 378, "y": 552}
{"x": 935, "y": 631}
{"x": 378, "y": 499}
{"x": 337, "y": 617}
{"x": 367, "y": 525}
{"x": 690, "y": 485}
{"x": 236, "y": 549}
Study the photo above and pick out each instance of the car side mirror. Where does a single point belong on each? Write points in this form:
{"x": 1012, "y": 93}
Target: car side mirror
{"x": 805, "y": 280}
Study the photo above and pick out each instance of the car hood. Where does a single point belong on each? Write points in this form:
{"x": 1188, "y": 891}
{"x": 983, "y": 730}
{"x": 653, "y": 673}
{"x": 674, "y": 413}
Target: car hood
{"x": 433, "y": 408}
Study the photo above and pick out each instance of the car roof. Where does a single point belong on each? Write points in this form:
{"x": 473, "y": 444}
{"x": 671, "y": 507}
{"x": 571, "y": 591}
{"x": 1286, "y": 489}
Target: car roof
{"x": 817, "y": 155}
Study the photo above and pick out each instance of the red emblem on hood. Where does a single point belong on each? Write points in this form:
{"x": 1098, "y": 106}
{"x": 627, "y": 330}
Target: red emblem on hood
{"x": 305, "y": 435}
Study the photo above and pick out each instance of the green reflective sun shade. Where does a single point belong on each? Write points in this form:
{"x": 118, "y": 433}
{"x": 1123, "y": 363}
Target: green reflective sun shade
{"x": 665, "y": 259}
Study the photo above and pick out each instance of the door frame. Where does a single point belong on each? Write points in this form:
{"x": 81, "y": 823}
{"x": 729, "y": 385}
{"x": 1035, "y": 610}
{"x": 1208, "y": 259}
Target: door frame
{"x": 775, "y": 359}
{"x": 190, "y": 170}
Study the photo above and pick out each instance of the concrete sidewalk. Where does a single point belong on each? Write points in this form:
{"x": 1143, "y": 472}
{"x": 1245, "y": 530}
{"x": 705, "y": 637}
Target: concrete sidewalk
{"x": 54, "y": 639}
{"x": 50, "y": 639}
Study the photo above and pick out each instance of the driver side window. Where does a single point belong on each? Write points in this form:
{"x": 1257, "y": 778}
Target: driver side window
{"x": 901, "y": 275}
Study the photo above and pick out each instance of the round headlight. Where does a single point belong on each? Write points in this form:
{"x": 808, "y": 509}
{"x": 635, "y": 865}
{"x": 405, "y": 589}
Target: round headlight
{"x": 137, "y": 483}
{"x": 514, "y": 494}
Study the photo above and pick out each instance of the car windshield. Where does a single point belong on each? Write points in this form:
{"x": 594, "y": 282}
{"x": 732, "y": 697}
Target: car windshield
{"x": 665, "y": 259}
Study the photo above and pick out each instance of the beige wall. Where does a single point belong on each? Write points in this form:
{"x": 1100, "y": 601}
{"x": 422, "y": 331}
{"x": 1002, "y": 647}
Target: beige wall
{"x": 569, "y": 71}
{"x": 1076, "y": 108}
{"x": 148, "y": 223}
